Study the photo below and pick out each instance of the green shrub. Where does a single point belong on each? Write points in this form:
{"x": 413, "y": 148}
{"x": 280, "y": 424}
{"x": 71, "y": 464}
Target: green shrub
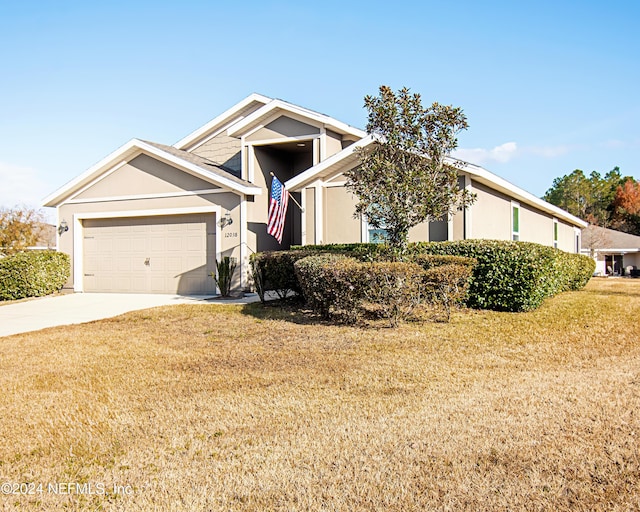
{"x": 574, "y": 270}
{"x": 226, "y": 268}
{"x": 511, "y": 276}
{"x": 394, "y": 289}
{"x": 507, "y": 276}
{"x": 274, "y": 272}
{"x": 344, "y": 289}
{"x": 428, "y": 261}
{"x": 33, "y": 274}
{"x": 448, "y": 284}
{"x": 359, "y": 251}
{"x": 332, "y": 285}
{"x": 258, "y": 276}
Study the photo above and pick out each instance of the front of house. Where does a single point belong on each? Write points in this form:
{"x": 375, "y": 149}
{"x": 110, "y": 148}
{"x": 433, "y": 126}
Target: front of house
{"x": 615, "y": 253}
{"x": 151, "y": 218}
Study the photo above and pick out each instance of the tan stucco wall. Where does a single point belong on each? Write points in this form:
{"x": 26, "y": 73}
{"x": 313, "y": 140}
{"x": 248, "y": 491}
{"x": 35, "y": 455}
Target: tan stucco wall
{"x": 491, "y": 219}
{"x": 566, "y": 237}
{"x": 333, "y": 144}
{"x": 340, "y": 178}
{"x": 419, "y": 233}
{"x": 144, "y": 175}
{"x": 283, "y": 127}
{"x": 458, "y": 225}
{"x": 490, "y": 214}
{"x": 536, "y": 226}
{"x": 340, "y": 226}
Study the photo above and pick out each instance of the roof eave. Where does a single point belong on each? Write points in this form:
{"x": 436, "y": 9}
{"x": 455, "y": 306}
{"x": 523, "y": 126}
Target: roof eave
{"x": 123, "y": 152}
{"x": 327, "y": 167}
{"x": 134, "y": 147}
{"x": 220, "y": 120}
{"x": 201, "y": 173}
{"x": 253, "y": 119}
{"x": 336, "y": 164}
{"x": 497, "y": 183}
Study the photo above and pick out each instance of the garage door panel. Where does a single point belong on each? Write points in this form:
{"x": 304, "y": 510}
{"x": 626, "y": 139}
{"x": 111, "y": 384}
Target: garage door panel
{"x": 177, "y": 247}
{"x": 138, "y": 245}
{"x": 173, "y": 264}
{"x": 123, "y": 265}
{"x": 159, "y": 265}
{"x": 105, "y": 245}
{"x": 158, "y": 245}
{"x": 158, "y": 284}
{"x": 195, "y": 244}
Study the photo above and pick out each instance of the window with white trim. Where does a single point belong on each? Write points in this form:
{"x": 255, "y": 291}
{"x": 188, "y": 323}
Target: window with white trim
{"x": 555, "y": 233}
{"x": 376, "y": 235}
{"x": 515, "y": 221}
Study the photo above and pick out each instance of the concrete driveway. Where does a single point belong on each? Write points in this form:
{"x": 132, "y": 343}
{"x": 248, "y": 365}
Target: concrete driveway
{"x": 76, "y": 308}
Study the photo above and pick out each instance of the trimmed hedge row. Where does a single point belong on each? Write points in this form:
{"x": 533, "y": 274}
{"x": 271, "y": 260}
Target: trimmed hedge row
{"x": 346, "y": 289}
{"x": 33, "y": 274}
{"x": 515, "y": 276}
{"x": 509, "y": 276}
{"x": 331, "y": 285}
{"x": 273, "y": 271}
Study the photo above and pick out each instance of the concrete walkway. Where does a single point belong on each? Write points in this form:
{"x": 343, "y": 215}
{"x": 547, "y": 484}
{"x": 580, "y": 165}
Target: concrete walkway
{"x": 76, "y": 308}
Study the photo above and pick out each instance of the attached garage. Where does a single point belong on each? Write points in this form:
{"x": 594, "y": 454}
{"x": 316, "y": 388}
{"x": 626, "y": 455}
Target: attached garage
{"x": 159, "y": 254}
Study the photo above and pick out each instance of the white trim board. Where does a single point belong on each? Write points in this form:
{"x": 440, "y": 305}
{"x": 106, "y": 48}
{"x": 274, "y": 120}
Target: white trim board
{"x": 274, "y": 105}
{"x": 219, "y": 120}
{"x": 161, "y": 195}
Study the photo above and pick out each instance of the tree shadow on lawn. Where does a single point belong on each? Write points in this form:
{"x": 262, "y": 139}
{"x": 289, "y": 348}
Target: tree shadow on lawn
{"x": 292, "y": 309}
{"x": 626, "y": 292}
{"x": 295, "y": 310}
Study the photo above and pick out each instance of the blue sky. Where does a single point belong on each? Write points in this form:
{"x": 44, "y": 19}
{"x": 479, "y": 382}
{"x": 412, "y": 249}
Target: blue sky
{"x": 547, "y": 87}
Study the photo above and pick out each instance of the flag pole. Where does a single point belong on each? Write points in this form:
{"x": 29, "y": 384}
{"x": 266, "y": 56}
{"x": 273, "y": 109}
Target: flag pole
{"x": 292, "y": 198}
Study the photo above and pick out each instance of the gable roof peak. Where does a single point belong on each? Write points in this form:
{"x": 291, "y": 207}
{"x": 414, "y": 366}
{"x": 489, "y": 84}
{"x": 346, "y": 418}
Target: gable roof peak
{"x": 223, "y": 120}
{"x": 269, "y": 110}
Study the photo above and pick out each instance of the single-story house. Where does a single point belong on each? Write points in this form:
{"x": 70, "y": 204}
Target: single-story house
{"x": 154, "y": 218}
{"x": 616, "y": 253}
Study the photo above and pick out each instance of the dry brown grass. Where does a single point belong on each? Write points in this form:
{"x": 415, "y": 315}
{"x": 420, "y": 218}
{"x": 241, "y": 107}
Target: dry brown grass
{"x": 225, "y": 408}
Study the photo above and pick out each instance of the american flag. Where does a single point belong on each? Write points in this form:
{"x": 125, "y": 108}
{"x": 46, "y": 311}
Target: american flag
{"x": 277, "y": 209}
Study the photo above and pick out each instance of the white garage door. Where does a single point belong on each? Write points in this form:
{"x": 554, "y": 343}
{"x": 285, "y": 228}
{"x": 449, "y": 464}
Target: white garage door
{"x": 165, "y": 254}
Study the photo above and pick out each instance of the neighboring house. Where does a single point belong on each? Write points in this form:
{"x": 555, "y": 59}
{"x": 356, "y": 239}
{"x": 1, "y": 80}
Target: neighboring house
{"x": 615, "y": 252}
{"x": 46, "y": 239}
{"x": 154, "y": 218}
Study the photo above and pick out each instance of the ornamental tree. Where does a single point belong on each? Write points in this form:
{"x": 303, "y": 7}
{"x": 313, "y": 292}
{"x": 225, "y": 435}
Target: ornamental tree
{"x": 20, "y": 227}
{"x": 405, "y": 177}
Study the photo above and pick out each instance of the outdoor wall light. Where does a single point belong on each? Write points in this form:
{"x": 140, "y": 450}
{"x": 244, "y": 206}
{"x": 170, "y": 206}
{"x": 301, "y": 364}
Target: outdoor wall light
{"x": 63, "y": 227}
{"x": 226, "y": 221}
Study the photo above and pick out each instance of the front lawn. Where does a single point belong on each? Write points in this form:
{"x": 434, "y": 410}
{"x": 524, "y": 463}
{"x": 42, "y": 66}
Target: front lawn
{"x": 208, "y": 407}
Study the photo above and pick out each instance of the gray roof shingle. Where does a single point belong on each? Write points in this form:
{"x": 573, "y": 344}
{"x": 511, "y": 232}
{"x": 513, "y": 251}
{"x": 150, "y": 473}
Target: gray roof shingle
{"x": 206, "y": 165}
